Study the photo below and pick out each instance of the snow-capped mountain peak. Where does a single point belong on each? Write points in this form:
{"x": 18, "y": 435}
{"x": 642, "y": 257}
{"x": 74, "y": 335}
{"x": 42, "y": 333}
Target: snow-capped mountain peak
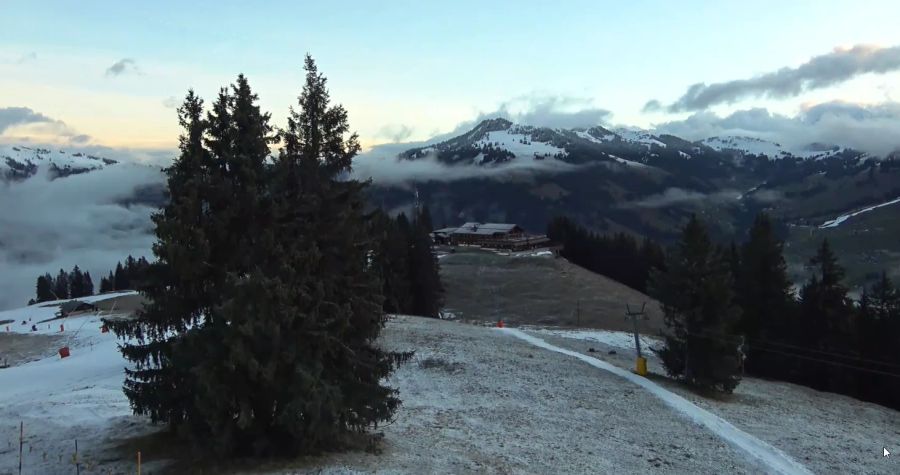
{"x": 18, "y": 162}
{"x": 756, "y": 146}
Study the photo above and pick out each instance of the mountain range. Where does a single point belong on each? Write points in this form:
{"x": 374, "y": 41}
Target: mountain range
{"x": 608, "y": 179}
{"x": 633, "y": 181}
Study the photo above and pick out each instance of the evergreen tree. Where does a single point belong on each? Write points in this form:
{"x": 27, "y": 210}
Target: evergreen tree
{"x": 105, "y": 285}
{"x": 61, "y": 285}
{"x": 884, "y": 299}
{"x": 826, "y": 320}
{"x": 695, "y": 292}
{"x": 76, "y": 283}
{"x": 87, "y": 285}
{"x": 764, "y": 295}
{"x": 427, "y": 291}
{"x": 121, "y": 278}
{"x": 179, "y": 301}
{"x": 392, "y": 258}
{"x": 265, "y": 299}
{"x": 44, "y": 290}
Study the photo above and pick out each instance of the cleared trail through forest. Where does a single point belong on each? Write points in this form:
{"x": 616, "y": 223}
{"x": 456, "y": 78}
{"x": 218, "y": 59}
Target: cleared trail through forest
{"x": 767, "y": 457}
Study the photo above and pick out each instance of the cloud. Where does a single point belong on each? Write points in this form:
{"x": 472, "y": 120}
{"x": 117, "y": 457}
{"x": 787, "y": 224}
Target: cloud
{"x": 825, "y": 70}
{"x": 10, "y": 116}
{"x": 26, "y": 58}
{"x": 872, "y": 128}
{"x": 542, "y": 111}
{"x": 677, "y": 196}
{"x": 395, "y": 133}
{"x": 170, "y": 102}
{"x": 122, "y": 66}
{"x": 81, "y": 219}
{"x": 27, "y": 123}
{"x": 384, "y": 168}
{"x": 652, "y": 105}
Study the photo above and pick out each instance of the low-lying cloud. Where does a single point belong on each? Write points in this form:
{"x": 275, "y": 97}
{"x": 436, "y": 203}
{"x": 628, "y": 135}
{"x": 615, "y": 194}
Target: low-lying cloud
{"x": 872, "y": 128}
{"x": 90, "y": 220}
{"x": 396, "y": 133}
{"x": 825, "y": 70}
{"x": 678, "y": 196}
{"x": 384, "y": 168}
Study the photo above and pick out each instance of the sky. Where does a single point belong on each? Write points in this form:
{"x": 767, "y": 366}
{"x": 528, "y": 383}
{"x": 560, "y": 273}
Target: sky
{"x": 110, "y": 73}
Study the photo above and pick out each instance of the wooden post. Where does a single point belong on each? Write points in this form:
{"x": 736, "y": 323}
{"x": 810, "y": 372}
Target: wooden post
{"x": 77, "y": 465}
{"x": 139, "y": 462}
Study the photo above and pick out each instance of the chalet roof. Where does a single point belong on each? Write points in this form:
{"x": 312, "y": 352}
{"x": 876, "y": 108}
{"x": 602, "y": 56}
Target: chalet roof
{"x": 73, "y": 305}
{"x": 485, "y": 229}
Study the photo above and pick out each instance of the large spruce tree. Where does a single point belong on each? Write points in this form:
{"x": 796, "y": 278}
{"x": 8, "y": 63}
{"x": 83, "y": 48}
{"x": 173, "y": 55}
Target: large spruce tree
{"x": 827, "y": 324}
{"x": 61, "y": 285}
{"x": 44, "y": 288}
{"x": 264, "y": 301}
{"x": 695, "y": 292}
{"x": 764, "y": 295}
{"x": 427, "y": 291}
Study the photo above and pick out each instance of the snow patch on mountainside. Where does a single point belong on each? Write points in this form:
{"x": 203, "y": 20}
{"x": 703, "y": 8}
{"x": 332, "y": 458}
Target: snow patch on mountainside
{"x": 638, "y": 136}
{"x": 20, "y": 162}
{"x": 757, "y": 146}
{"x": 590, "y": 138}
{"x": 833, "y": 223}
{"x": 519, "y": 144}
{"x": 630, "y": 163}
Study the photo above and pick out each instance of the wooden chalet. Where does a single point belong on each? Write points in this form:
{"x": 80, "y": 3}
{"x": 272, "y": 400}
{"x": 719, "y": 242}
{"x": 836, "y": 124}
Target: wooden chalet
{"x": 490, "y": 235}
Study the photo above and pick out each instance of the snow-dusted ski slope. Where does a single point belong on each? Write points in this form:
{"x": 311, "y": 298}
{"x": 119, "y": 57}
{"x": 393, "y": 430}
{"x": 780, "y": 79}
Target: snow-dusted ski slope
{"x": 840, "y": 219}
{"x": 512, "y": 141}
{"x": 618, "y": 339}
{"x": 769, "y": 459}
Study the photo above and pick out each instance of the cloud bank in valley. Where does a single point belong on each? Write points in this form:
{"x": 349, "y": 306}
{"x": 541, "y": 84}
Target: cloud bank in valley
{"x": 91, "y": 220}
{"x": 821, "y": 71}
{"x": 872, "y": 128}
{"x": 384, "y": 168}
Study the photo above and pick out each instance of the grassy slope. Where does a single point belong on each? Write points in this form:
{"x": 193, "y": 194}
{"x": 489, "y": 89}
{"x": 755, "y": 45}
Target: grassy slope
{"x": 482, "y": 285}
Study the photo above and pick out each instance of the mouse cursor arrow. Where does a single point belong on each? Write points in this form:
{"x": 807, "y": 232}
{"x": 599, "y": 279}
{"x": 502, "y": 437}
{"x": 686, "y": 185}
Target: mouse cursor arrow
{"x": 886, "y": 453}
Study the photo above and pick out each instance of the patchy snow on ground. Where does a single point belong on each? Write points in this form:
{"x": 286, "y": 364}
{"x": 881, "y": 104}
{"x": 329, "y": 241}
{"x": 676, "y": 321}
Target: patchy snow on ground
{"x": 833, "y": 223}
{"x": 512, "y": 141}
{"x": 768, "y": 458}
{"x": 623, "y": 340}
{"x": 59, "y": 400}
{"x": 829, "y": 433}
{"x": 38, "y": 312}
{"x": 478, "y": 400}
